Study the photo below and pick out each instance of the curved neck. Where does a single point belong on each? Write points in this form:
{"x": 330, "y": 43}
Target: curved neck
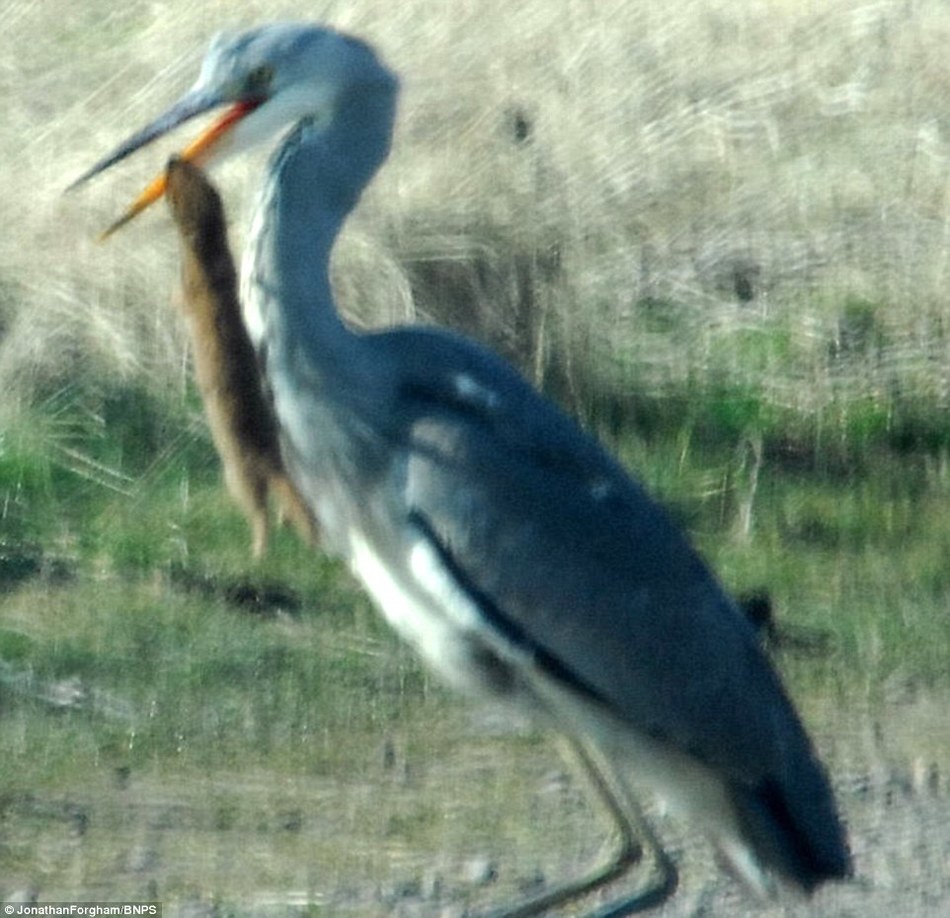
{"x": 314, "y": 180}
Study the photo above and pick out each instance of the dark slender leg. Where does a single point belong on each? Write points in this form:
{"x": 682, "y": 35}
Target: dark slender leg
{"x": 634, "y": 834}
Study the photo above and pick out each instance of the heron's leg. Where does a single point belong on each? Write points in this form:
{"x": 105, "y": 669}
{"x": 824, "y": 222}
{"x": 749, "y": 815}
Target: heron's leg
{"x": 632, "y": 824}
{"x": 633, "y": 834}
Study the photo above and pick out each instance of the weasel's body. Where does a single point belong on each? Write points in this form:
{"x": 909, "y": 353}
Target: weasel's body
{"x": 241, "y": 421}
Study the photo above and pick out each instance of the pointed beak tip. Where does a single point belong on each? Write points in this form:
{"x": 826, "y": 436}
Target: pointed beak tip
{"x": 197, "y": 151}
{"x": 107, "y": 233}
{"x": 76, "y": 183}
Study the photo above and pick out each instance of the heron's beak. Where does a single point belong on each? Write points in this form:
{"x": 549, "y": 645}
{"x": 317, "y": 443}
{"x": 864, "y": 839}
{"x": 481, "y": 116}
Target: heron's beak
{"x": 198, "y": 151}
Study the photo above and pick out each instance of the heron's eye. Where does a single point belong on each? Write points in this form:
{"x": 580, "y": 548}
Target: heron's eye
{"x": 259, "y": 79}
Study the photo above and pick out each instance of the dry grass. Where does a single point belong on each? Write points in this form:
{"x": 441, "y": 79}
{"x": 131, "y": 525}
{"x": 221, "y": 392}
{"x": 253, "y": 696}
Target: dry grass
{"x": 749, "y": 190}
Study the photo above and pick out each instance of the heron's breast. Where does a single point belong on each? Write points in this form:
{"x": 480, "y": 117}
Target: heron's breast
{"x": 442, "y": 626}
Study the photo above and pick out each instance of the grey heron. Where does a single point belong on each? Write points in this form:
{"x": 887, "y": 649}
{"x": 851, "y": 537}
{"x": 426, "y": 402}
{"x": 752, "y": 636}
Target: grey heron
{"x": 493, "y": 533}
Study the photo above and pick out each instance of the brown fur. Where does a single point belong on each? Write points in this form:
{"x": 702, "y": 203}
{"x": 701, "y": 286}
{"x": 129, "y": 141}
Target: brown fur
{"x": 242, "y": 424}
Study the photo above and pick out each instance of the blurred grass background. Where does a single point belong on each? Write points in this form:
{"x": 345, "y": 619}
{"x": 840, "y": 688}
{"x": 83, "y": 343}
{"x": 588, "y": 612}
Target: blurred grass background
{"x": 633, "y": 200}
{"x": 716, "y": 232}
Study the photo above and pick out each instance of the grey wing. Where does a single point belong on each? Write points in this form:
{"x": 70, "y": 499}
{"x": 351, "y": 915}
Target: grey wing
{"x": 561, "y": 553}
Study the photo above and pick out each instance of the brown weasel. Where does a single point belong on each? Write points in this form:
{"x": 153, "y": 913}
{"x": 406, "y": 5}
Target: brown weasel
{"x": 242, "y": 424}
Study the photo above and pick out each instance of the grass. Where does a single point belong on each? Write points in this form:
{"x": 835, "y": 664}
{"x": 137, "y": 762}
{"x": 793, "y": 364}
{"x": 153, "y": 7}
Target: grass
{"x": 748, "y": 191}
{"x": 141, "y": 574}
{"x": 815, "y": 527}
{"x": 715, "y": 232}
{"x": 173, "y": 730}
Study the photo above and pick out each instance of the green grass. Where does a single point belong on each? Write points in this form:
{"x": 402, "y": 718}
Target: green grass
{"x": 150, "y": 715}
{"x": 862, "y": 530}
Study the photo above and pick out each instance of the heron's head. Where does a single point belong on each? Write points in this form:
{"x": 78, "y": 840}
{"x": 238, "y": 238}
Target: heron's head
{"x": 268, "y": 78}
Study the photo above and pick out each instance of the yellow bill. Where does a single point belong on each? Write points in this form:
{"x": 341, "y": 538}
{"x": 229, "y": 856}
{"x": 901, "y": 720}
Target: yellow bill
{"x": 196, "y": 152}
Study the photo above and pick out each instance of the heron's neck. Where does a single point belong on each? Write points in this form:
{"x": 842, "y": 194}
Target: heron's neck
{"x": 313, "y": 181}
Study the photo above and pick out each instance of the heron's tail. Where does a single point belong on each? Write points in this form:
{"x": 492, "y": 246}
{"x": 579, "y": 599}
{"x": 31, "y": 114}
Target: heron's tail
{"x": 793, "y": 825}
